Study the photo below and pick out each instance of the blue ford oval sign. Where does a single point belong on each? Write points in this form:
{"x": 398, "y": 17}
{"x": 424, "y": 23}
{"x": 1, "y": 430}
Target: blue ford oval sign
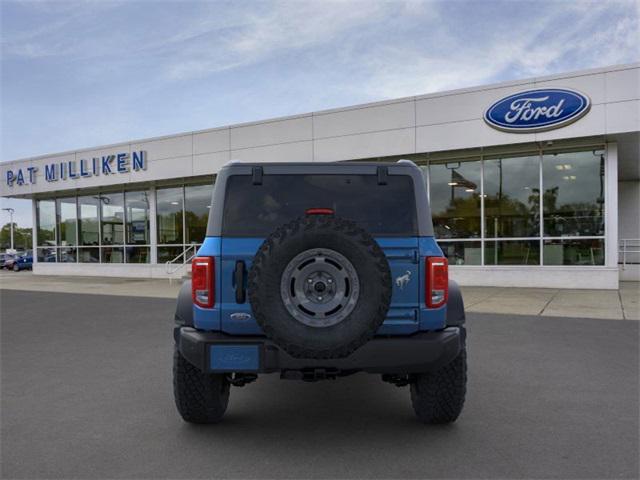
{"x": 537, "y": 110}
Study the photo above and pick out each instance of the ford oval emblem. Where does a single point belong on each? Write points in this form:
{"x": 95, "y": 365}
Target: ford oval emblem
{"x": 537, "y": 110}
{"x": 240, "y": 316}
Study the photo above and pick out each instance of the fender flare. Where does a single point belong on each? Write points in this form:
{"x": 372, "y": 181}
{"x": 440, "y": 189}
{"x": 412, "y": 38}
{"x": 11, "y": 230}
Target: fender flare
{"x": 455, "y": 306}
{"x": 184, "y": 307}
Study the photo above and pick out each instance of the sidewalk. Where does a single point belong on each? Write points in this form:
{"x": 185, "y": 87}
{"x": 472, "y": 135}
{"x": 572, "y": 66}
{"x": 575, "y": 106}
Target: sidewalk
{"x": 610, "y": 304}
{"x": 607, "y": 304}
{"x": 135, "y": 287}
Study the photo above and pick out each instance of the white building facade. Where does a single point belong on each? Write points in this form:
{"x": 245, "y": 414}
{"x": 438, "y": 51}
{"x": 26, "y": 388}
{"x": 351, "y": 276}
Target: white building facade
{"x": 532, "y": 183}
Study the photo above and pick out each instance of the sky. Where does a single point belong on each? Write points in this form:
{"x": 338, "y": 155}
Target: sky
{"x": 87, "y": 73}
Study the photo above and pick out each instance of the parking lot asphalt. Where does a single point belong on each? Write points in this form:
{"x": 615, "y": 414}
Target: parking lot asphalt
{"x": 86, "y": 393}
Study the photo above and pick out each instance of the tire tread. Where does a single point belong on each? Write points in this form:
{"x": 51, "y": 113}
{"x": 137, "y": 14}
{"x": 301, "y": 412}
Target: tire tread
{"x": 438, "y": 397}
{"x": 199, "y": 397}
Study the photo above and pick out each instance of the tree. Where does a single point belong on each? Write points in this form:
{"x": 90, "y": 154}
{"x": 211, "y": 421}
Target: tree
{"x": 21, "y": 237}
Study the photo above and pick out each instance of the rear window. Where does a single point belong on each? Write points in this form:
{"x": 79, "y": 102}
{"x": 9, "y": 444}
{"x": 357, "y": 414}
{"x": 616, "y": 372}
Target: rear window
{"x": 257, "y": 210}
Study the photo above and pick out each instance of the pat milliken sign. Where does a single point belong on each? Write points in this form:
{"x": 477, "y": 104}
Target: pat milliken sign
{"x": 115, "y": 164}
{"x": 537, "y": 110}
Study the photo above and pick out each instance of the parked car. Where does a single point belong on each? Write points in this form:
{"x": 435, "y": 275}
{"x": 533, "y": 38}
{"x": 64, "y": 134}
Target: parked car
{"x": 23, "y": 262}
{"x": 317, "y": 271}
{"x": 7, "y": 262}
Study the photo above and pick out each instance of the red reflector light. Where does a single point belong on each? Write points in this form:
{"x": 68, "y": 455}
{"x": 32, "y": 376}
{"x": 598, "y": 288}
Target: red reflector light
{"x": 319, "y": 211}
{"x": 203, "y": 281}
{"x": 437, "y": 281}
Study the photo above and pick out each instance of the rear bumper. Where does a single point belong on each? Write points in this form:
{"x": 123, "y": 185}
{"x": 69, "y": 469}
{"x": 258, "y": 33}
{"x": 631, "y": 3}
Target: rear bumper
{"x": 419, "y": 352}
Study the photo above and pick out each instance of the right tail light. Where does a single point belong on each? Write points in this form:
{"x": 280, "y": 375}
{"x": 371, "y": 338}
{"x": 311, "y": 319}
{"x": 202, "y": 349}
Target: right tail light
{"x": 436, "y": 281}
{"x": 203, "y": 281}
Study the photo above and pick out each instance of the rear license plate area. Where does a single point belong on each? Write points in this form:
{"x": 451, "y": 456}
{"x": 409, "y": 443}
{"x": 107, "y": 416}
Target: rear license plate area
{"x": 234, "y": 358}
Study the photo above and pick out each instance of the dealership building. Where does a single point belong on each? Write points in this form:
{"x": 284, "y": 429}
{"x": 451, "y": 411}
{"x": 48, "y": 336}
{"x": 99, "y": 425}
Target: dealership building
{"x": 533, "y": 183}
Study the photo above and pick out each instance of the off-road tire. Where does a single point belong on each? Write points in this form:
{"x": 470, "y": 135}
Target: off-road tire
{"x": 438, "y": 397}
{"x": 322, "y": 232}
{"x": 200, "y": 397}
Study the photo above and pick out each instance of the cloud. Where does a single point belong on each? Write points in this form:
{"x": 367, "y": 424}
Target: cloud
{"x": 287, "y": 26}
{"x": 100, "y": 72}
{"x": 558, "y": 39}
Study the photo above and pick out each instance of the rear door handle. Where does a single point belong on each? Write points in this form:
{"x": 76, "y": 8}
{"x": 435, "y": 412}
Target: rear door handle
{"x": 238, "y": 278}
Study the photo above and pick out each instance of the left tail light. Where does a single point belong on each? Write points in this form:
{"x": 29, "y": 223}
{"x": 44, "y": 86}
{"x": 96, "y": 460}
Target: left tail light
{"x": 203, "y": 281}
{"x": 437, "y": 281}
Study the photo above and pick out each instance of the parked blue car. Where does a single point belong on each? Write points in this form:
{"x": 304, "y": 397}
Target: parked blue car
{"x": 23, "y": 262}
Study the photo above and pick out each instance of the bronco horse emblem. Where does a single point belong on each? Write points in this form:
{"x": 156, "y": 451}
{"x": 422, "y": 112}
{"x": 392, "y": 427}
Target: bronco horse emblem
{"x": 402, "y": 280}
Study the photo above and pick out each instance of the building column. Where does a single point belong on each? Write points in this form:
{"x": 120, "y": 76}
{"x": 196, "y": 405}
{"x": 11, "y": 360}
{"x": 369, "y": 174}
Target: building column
{"x": 611, "y": 205}
{"x": 153, "y": 225}
{"x": 34, "y": 230}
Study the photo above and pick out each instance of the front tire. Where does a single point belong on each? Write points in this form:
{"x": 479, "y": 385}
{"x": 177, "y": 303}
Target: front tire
{"x": 200, "y": 397}
{"x": 16, "y": 268}
{"x": 438, "y": 397}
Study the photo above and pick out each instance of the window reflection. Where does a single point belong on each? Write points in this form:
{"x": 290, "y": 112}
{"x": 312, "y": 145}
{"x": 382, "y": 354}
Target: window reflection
{"x": 89, "y": 255}
{"x": 112, "y": 218}
{"x": 512, "y": 252}
{"x": 88, "y": 220}
{"x": 137, "y": 254}
{"x": 573, "y": 198}
{"x": 137, "y": 218}
{"x": 166, "y": 254}
{"x": 196, "y": 211}
{"x": 462, "y": 253}
{"x": 112, "y": 255}
{"x": 169, "y": 206}
{"x": 455, "y": 199}
{"x": 46, "y": 254}
{"x": 46, "y": 217}
{"x": 67, "y": 213}
{"x": 574, "y": 252}
{"x": 67, "y": 254}
{"x": 512, "y": 197}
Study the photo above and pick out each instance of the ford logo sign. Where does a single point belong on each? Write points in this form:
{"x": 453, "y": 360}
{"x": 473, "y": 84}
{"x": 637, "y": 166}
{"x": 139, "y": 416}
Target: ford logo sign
{"x": 537, "y": 110}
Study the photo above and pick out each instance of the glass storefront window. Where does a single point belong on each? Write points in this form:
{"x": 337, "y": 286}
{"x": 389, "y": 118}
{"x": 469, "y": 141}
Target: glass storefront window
{"x": 169, "y": 218}
{"x": 88, "y": 227}
{"x": 67, "y": 254}
{"x": 455, "y": 199}
{"x": 89, "y": 255}
{"x": 137, "y": 254}
{"x": 137, "y": 218}
{"x": 196, "y": 211}
{"x": 112, "y": 218}
{"x": 573, "y": 252}
{"x": 512, "y": 252}
{"x": 112, "y": 254}
{"x": 46, "y": 254}
{"x": 166, "y": 254}
{"x": 67, "y": 221}
{"x": 512, "y": 197}
{"x": 462, "y": 253}
{"x": 46, "y": 217}
{"x": 573, "y": 198}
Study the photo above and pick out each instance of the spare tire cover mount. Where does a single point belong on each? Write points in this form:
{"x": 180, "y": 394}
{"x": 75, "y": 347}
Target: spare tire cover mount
{"x": 320, "y": 287}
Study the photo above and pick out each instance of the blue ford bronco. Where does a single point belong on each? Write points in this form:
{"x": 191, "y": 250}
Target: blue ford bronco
{"x": 318, "y": 271}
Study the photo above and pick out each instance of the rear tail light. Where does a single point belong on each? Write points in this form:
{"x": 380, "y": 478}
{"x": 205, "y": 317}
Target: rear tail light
{"x": 319, "y": 211}
{"x": 437, "y": 281}
{"x": 203, "y": 281}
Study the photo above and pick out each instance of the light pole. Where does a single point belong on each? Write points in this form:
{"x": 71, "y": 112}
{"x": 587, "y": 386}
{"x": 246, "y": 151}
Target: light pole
{"x": 11, "y": 212}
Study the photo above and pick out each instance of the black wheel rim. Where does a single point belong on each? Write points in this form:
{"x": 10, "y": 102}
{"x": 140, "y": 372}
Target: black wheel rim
{"x": 320, "y": 287}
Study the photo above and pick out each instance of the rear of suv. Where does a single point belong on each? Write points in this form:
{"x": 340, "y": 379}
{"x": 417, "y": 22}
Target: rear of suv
{"x": 318, "y": 271}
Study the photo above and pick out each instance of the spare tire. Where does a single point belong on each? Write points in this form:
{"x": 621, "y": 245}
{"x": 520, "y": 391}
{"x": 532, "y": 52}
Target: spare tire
{"x": 320, "y": 287}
